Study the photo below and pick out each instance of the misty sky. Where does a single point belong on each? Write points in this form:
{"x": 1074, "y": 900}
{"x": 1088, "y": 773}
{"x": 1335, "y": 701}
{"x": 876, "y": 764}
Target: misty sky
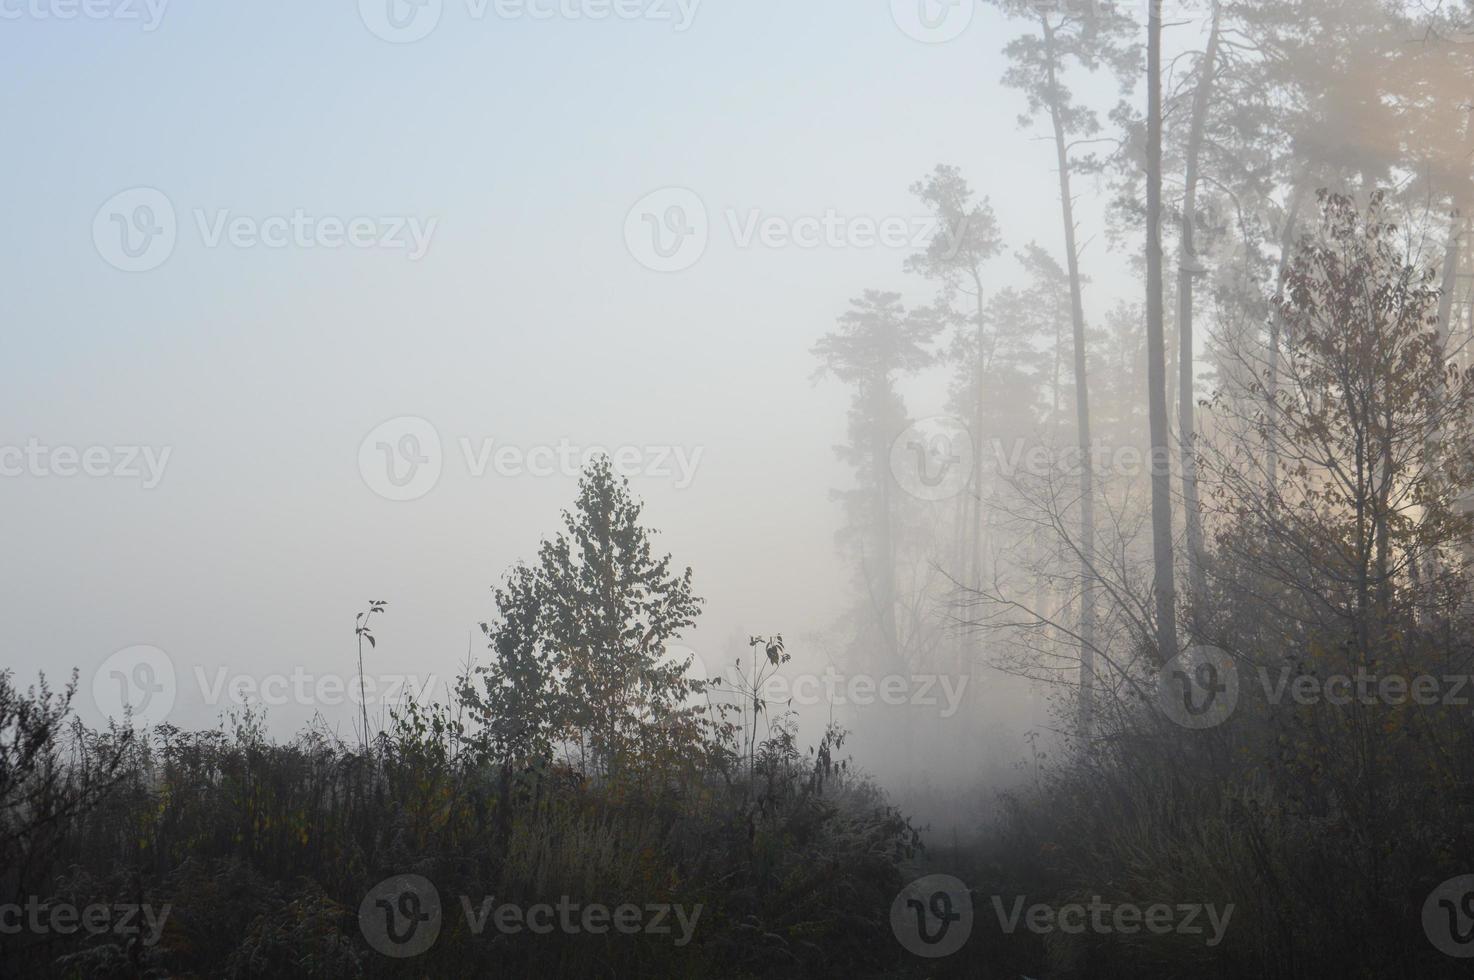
{"x": 527, "y": 321}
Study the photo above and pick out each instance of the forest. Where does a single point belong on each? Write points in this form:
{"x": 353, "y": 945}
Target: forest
{"x": 1156, "y": 528}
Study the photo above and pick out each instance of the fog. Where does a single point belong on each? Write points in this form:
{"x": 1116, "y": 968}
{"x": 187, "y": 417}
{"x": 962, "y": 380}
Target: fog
{"x": 312, "y": 305}
{"x": 520, "y": 148}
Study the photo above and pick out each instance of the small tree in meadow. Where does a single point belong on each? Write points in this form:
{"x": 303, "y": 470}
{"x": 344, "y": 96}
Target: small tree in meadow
{"x": 580, "y": 643}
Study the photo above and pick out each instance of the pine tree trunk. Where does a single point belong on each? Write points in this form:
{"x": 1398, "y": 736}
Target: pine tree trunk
{"x": 1164, "y": 585}
{"x": 884, "y": 562}
{"x": 1082, "y": 403}
{"x": 1188, "y": 266}
{"x": 976, "y": 549}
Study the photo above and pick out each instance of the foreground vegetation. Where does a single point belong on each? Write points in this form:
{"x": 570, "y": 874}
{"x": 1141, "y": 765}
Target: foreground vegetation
{"x": 581, "y": 765}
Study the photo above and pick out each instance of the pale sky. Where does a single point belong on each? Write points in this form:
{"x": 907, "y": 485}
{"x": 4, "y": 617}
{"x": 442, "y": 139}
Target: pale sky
{"x": 517, "y": 147}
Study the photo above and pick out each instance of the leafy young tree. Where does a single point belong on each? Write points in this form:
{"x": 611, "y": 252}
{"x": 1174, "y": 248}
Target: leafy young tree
{"x": 520, "y": 704}
{"x": 580, "y": 642}
{"x": 1267, "y": 102}
{"x": 1375, "y": 430}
